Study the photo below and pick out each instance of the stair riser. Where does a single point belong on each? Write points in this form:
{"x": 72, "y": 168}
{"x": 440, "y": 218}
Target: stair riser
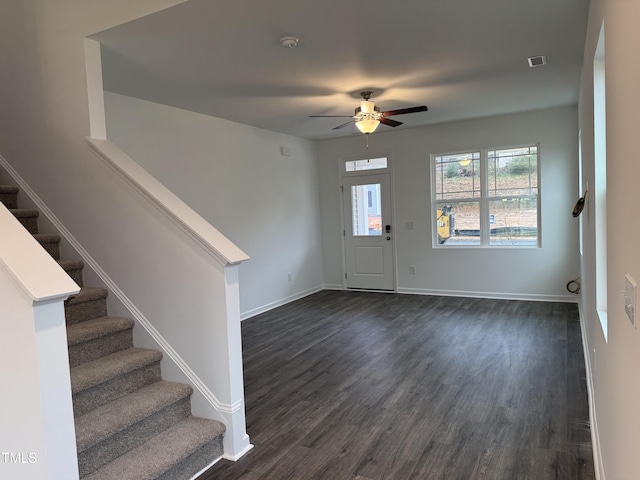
{"x": 99, "y": 395}
{"x": 196, "y": 461}
{"x": 81, "y": 312}
{"x": 30, "y": 223}
{"x": 100, "y": 347}
{"x": 10, "y": 200}
{"x": 52, "y": 249}
{"x": 98, "y": 455}
{"x": 76, "y": 276}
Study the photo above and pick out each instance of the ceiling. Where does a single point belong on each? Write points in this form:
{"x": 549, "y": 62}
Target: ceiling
{"x": 461, "y": 58}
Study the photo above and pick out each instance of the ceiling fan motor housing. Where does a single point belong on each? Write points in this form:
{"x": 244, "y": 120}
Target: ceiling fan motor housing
{"x": 367, "y": 108}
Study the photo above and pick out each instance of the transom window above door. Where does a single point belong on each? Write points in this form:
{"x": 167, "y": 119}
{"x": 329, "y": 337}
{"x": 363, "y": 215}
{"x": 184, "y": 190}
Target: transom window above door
{"x": 366, "y": 164}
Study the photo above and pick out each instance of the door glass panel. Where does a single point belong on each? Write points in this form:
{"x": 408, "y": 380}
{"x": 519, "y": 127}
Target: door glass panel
{"x": 366, "y": 210}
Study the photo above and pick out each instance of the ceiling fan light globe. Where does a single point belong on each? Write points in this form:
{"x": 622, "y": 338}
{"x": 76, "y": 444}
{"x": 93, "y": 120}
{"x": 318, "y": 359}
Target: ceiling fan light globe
{"x": 368, "y": 125}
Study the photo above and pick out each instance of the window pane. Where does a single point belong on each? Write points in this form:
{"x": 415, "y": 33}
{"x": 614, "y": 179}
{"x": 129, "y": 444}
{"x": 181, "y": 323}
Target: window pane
{"x": 458, "y": 223}
{"x": 367, "y": 164}
{"x": 513, "y": 221}
{"x": 366, "y": 210}
{"x": 457, "y": 176}
{"x": 513, "y": 171}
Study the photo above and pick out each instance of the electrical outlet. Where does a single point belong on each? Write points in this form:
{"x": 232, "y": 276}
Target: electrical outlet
{"x": 289, "y": 276}
{"x": 412, "y": 270}
{"x": 630, "y": 295}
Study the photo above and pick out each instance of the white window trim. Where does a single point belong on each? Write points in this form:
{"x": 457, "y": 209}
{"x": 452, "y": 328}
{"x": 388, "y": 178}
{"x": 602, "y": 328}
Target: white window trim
{"x": 357, "y": 173}
{"x": 484, "y": 199}
{"x": 600, "y": 180}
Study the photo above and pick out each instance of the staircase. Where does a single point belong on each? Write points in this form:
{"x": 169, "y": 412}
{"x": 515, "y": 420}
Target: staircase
{"x": 130, "y": 424}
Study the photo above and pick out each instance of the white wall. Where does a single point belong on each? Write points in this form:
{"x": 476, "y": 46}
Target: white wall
{"x": 225, "y": 163}
{"x": 538, "y": 273}
{"x": 237, "y": 178}
{"x": 43, "y": 125}
{"x": 614, "y": 363}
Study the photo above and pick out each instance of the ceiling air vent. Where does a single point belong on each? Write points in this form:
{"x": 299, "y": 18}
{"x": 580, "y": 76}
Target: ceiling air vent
{"x": 537, "y": 61}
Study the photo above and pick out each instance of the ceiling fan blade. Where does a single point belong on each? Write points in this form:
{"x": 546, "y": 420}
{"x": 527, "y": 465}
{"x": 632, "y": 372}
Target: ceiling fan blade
{"x": 390, "y": 122}
{"x": 343, "y": 125}
{"x": 402, "y": 111}
{"x": 330, "y": 116}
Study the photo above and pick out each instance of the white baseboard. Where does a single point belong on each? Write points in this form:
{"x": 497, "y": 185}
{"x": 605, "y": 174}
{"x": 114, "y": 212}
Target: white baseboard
{"x": 496, "y": 295}
{"x": 416, "y": 291}
{"x": 235, "y": 458}
{"x": 595, "y": 434}
{"x": 279, "y": 303}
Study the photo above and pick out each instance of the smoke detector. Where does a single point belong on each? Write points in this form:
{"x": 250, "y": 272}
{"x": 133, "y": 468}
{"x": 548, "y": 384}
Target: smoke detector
{"x": 537, "y": 61}
{"x": 289, "y": 41}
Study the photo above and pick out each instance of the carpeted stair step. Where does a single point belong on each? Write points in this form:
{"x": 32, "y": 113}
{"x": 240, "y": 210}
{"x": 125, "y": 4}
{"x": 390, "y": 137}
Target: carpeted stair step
{"x": 89, "y": 303}
{"x": 178, "y": 453}
{"x": 130, "y": 424}
{"x": 113, "y": 429}
{"x": 108, "y": 378}
{"x": 97, "y": 338}
{"x": 9, "y": 196}
{"x": 73, "y": 269}
{"x": 50, "y": 242}
{"x": 27, "y": 217}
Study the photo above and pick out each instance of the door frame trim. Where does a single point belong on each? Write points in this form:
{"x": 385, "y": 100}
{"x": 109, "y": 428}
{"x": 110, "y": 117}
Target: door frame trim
{"x": 342, "y": 174}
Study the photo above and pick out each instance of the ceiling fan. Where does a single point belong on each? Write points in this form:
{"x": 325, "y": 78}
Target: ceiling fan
{"x": 367, "y": 116}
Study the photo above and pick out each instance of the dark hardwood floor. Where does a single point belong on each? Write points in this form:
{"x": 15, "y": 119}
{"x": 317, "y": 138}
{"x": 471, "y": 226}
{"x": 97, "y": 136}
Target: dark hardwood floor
{"x": 358, "y": 386}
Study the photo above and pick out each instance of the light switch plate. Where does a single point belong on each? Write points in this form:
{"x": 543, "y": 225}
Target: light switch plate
{"x": 630, "y": 295}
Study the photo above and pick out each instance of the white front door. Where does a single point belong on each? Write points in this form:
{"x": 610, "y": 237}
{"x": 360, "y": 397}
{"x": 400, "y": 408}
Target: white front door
{"x": 368, "y": 232}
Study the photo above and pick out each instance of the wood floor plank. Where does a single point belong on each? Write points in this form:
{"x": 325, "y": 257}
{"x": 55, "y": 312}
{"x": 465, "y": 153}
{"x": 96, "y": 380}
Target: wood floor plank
{"x": 369, "y": 386}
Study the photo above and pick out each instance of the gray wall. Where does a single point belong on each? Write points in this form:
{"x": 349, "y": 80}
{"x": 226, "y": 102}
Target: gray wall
{"x": 613, "y": 362}
{"x": 536, "y": 273}
{"x": 272, "y": 206}
{"x": 236, "y": 178}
